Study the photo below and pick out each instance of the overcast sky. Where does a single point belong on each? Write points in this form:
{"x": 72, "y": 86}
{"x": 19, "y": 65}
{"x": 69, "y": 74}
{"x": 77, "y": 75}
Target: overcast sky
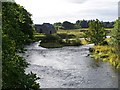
{"x": 52, "y": 11}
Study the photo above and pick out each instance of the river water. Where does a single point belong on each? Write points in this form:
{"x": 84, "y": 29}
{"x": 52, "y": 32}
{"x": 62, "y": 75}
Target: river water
{"x": 69, "y": 67}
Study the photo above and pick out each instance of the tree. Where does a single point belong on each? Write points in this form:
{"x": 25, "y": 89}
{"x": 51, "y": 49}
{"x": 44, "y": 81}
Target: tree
{"x": 13, "y": 70}
{"x": 108, "y": 24}
{"x": 68, "y": 25}
{"x": 16, "y": 32}
{"x": 96, "y": 33}
{"x": 17, "y": 23}
{"x": 51, "y": 38}
{"x": 78, "y": 24}
{"x": 58, "y": 25}
{"x": 84, "y": 24}
{"x": 116, "y": 35}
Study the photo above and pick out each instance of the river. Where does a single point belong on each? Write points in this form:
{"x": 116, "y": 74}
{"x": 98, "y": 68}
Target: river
{"x": 69, "y": 67}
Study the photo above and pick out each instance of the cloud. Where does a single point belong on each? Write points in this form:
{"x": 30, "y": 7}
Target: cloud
{"x": 77, "y": 1}
{"x": 71, "y": 10}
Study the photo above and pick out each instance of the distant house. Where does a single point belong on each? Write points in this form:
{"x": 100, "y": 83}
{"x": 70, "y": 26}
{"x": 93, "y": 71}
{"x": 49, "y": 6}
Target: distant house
{"x": 45, "y": 28}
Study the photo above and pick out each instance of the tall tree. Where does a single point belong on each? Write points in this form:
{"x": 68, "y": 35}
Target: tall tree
{"x": 16, "y": 32}
{"x": 68, "y": 25}
{"x": 116, "y": 35}
{"x": 96, "y": 33}
{"x": 58, "y": 25}
{"x": 17, "y": 23}
{"x": 77, "y": 24}
{"x": 84, "y": 24}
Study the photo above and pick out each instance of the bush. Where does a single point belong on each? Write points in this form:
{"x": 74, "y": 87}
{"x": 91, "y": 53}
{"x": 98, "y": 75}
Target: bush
{"x": 54, "y": 41}
{"x": 51, "y": 38}
{"x": 51, "y": 41}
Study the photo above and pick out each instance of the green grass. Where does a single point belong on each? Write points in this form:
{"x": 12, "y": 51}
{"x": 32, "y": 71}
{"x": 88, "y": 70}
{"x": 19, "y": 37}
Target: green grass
{"x": 39, "y": 36}
{"x": 107, "y": 54}
{"x": 84, "y": 42}
{"x": 108, "y": 28}
{"x": 78, "y": 32}
{"x": 75, "y": 32}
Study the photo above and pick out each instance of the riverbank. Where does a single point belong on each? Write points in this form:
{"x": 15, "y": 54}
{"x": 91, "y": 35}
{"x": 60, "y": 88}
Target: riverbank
{"x": 106, "y": 54}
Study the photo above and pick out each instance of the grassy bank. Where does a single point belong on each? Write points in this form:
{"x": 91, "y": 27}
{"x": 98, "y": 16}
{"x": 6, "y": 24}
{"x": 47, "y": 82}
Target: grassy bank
{"x": 107, "y": 54}
{"x": 75, "y": 32}
{"x": 39, "y": 36}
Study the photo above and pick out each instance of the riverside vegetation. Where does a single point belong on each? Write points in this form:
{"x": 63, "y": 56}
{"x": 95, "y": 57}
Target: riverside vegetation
{"x": 70, "y": 35}
{"x": 105, "y": 49}
{"x": 56, "y": 41}
{"x": 18, "y": 30}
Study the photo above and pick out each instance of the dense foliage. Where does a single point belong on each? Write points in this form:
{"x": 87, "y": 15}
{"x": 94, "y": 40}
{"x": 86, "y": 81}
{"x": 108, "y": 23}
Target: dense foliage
{"x": 106, "y": 53}
{"x": 58, "y": 25}
{"x": 51, "y": 38}
{"x": 51, "y": 41}
{"x": 57, "y": 41}
{"x": 96, "y": 32}
{"x": 17, "y": 24}
{"x": 68, "y": 25}
{"x": 82, "y": 23}
{"x": 16, "y": 32}
{"x": 116, "y": 35}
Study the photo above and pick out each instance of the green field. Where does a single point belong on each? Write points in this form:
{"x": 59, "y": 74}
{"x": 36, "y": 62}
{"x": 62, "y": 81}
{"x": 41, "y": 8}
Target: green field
{"x": 75, "y": 32}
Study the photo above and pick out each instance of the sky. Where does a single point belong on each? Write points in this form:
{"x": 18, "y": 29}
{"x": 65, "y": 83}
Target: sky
{"x": 51, "y": 11}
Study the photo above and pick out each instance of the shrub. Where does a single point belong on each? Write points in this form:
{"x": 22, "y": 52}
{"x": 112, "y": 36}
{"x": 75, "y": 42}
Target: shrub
{"x": 104, "y": 43}
{"x": 51, "y": 41}
{"x": 51, "y": 38}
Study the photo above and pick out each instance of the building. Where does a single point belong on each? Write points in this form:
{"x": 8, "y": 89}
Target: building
{"x": 45, "y": 28}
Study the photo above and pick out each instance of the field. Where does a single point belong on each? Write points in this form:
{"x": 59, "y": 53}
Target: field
{"x": 75, "y": 32}
{"x": 79, "y": 32}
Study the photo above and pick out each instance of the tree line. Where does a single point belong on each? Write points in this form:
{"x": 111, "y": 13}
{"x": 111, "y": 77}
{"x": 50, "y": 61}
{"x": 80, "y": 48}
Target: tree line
{"x": 80, "y": 24}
